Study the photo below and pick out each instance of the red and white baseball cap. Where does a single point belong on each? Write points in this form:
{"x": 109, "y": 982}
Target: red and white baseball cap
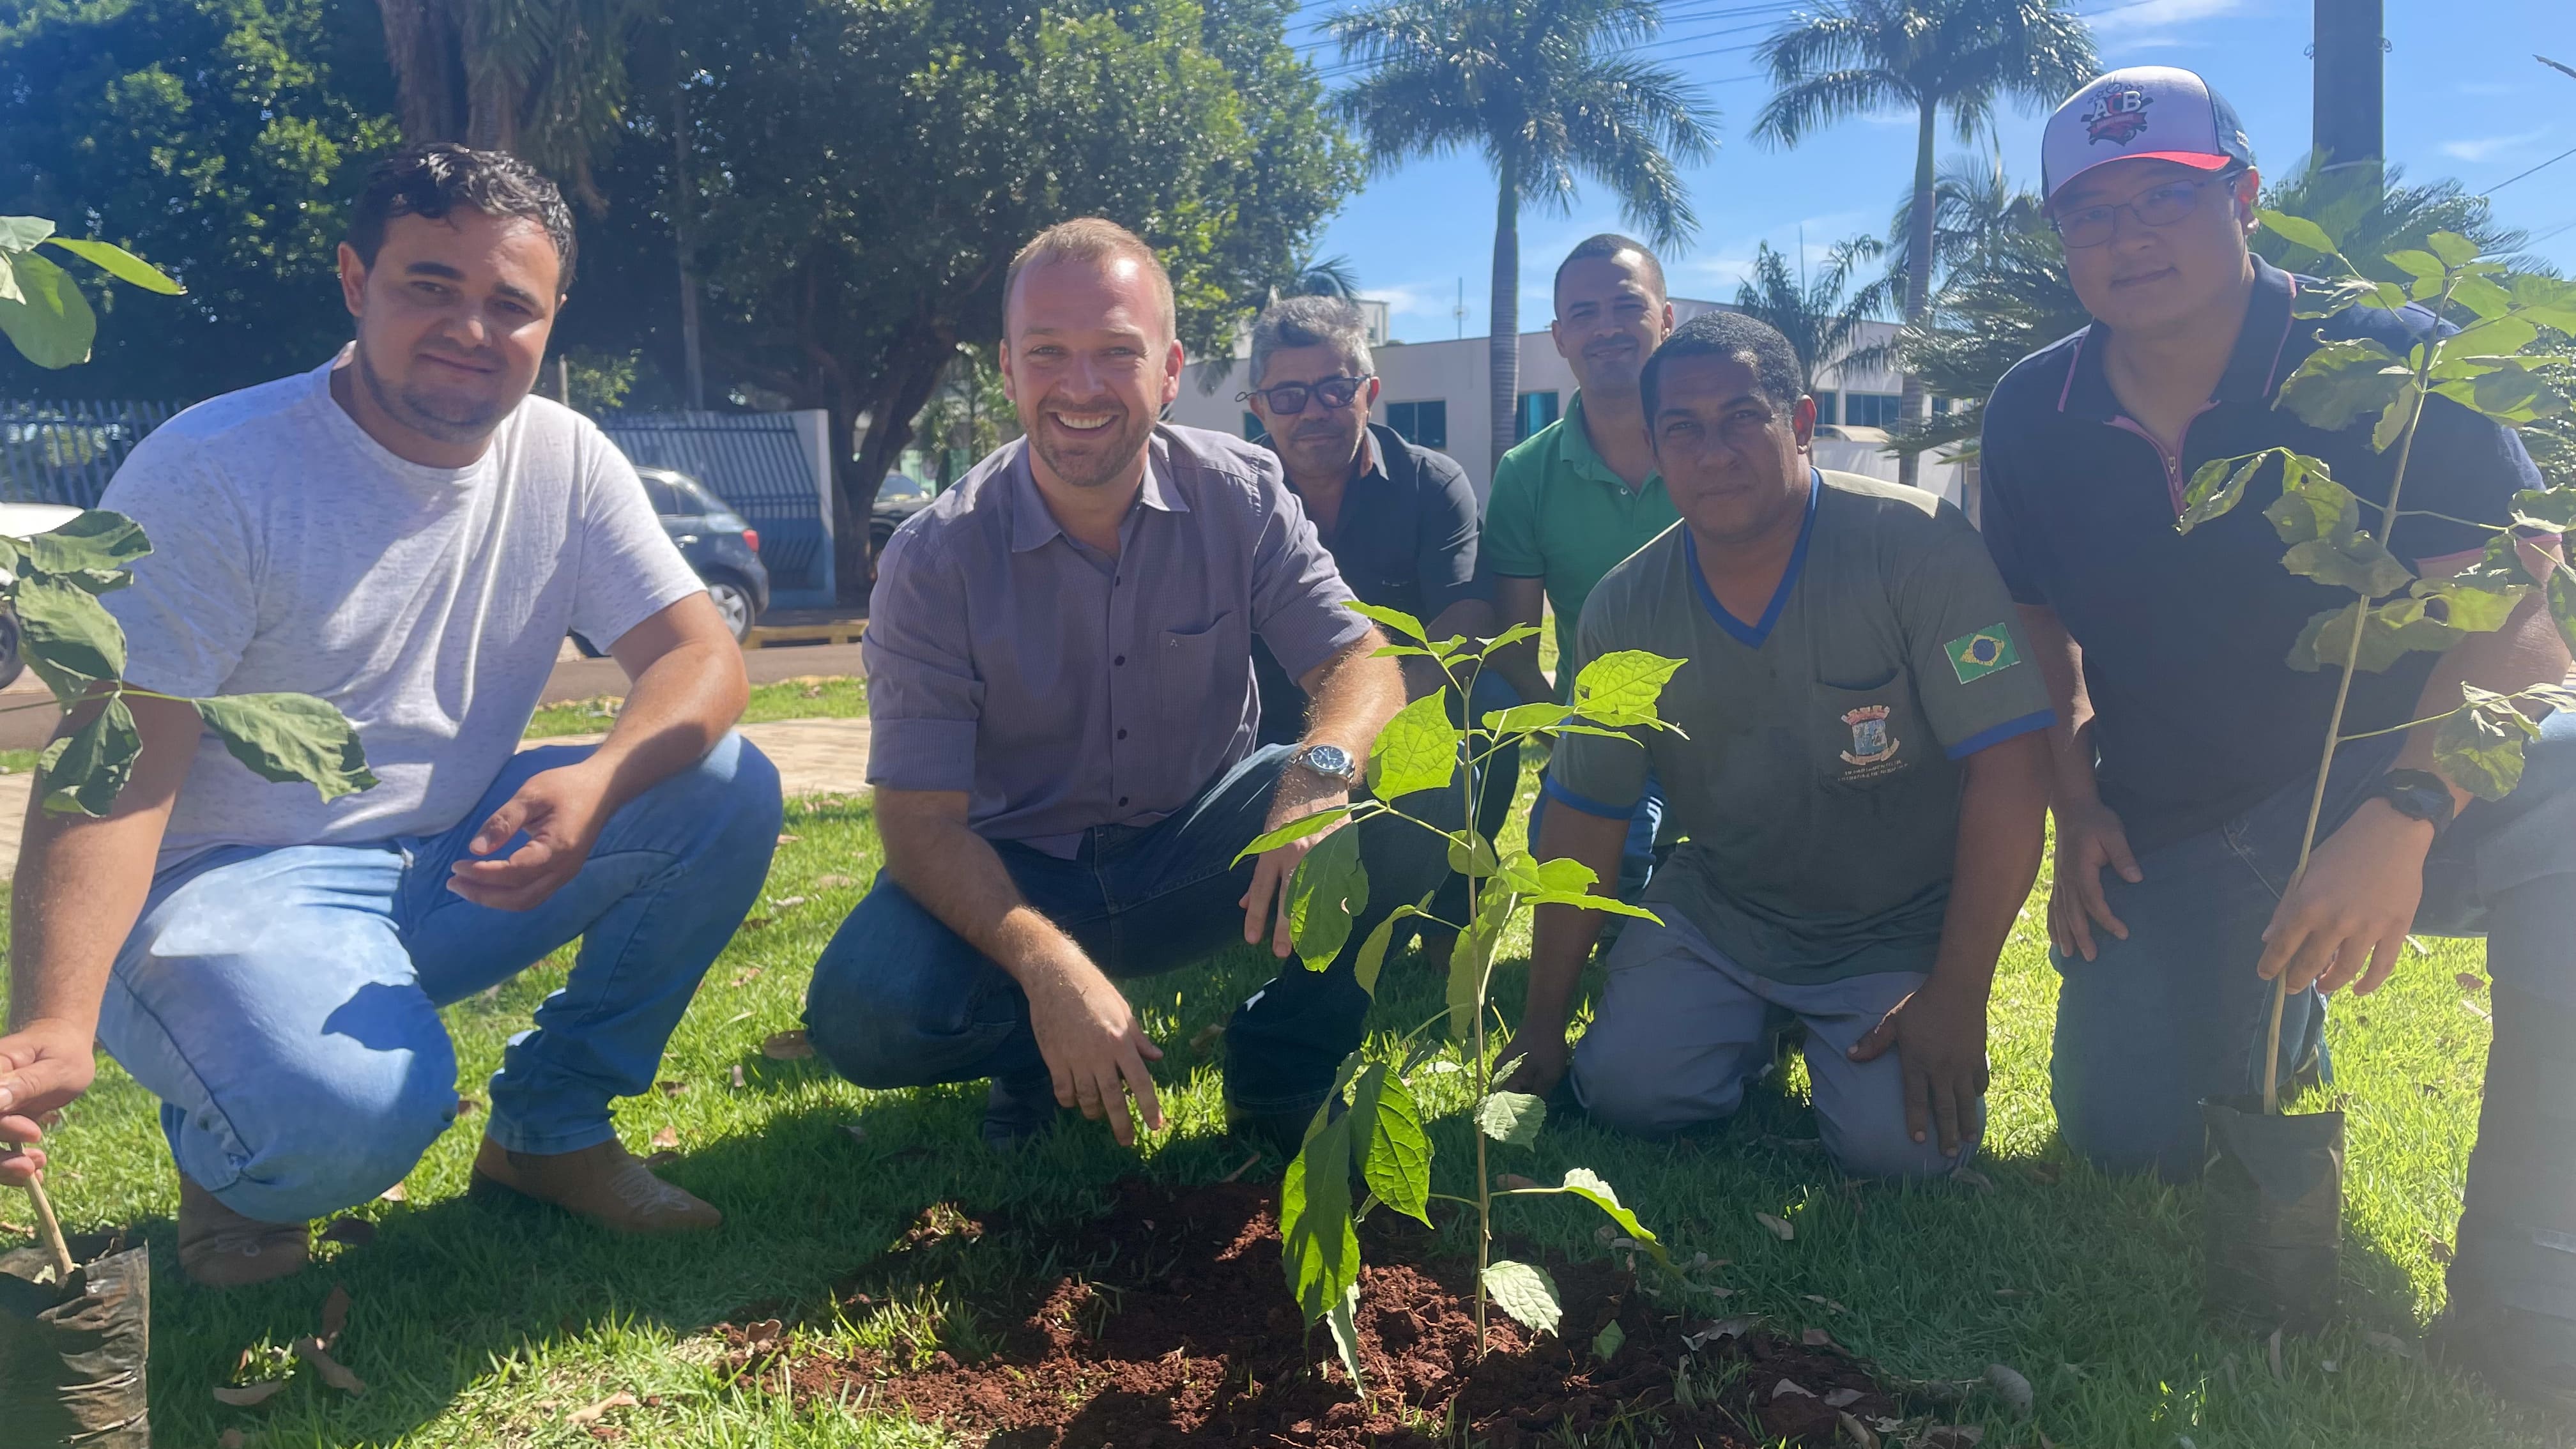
{"x": 2158, "y": 111}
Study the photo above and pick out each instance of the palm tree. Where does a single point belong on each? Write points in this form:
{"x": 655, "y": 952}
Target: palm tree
{"x": 1858, "y": 57}
{"x": 2370, "y": 210}
{"x": 1819, "y": 316}
{"x": 544, "y": 79}
{"x": 1548, "y": 90}
{"x": 1313, "y": 276}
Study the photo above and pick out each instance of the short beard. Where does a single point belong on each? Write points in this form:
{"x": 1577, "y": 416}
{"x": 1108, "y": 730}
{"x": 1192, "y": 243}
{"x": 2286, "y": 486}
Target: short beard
{"x": 1113, "y": 464}
{"x": 415, "y": 410}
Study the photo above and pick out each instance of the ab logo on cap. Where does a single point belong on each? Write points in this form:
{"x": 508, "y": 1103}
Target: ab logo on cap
{"x": 2121, "y": 116}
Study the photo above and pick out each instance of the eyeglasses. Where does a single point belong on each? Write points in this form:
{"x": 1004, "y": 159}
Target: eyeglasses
{"x": 1289, "y": 398}
{"x": 2157, "y": 206}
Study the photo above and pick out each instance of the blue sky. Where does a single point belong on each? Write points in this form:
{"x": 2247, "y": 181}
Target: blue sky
{"x": 2465, "y": 99}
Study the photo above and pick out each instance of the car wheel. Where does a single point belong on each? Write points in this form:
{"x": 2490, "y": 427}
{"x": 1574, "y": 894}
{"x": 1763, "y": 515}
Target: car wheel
{"x": 12, "y": 663}
{"x": 878, "y": 537}
{"x": 733, "y": 601}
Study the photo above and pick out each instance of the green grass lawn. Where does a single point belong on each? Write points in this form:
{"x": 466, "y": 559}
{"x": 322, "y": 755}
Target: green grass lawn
{"x": 813, "y": 698}
{"x": 479, "y": 1328}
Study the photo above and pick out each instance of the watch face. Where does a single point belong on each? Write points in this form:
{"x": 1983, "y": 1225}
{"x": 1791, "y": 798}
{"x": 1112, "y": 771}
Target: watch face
{"x": 1329, "y": 760}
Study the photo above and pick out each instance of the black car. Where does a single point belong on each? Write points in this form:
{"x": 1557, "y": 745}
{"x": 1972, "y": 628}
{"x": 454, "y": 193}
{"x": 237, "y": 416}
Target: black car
{"x": 715, "y": 540}
{"x": 899, "y": 497}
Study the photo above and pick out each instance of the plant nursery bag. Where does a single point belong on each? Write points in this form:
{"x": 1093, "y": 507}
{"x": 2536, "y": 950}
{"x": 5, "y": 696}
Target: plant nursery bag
{"x": 2271, "y": 1213}
{"x": 72, "y": 1354}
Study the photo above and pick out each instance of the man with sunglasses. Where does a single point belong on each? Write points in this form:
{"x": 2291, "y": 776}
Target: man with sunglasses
{"x": 1398, "y": 519}
{"x": 2186, "y": 748}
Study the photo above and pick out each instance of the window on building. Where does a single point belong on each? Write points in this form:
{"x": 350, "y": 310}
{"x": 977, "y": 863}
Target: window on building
{"x": 1252, "y": 428}
{"x": 1825, "y": 407}
{"x": 1940, "y": 407}
{"x": 1870, "y": 409}
{"x": 1537, "y": 410}
{"x": 1423, "y": 424}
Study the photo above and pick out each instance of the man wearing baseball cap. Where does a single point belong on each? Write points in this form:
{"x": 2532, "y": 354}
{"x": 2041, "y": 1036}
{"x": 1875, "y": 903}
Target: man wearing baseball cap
{"x": 2186, "y": 747}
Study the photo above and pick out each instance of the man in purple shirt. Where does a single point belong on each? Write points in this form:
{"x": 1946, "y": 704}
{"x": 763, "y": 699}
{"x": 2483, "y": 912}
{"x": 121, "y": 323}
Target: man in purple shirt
{"x": 1059, "y": 659}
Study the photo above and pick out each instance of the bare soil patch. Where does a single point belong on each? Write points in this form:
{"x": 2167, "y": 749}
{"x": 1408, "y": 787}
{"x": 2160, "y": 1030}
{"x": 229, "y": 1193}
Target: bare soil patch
{"x": 1173, "y": 1326}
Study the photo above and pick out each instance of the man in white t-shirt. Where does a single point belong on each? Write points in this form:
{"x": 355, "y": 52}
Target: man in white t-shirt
{"x": 406, "y": 533}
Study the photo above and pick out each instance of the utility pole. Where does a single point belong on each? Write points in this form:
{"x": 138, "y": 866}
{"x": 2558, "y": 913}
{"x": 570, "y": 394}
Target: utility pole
{"x": 2349, "y": 104}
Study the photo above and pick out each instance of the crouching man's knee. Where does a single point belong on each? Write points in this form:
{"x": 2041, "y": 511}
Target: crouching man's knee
{"x": 1646, "y": 1098}
{"x": 1880, "y": 1145}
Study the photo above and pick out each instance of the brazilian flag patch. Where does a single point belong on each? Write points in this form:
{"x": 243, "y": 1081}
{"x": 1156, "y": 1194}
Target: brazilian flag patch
{"x": 1977, "y": 655}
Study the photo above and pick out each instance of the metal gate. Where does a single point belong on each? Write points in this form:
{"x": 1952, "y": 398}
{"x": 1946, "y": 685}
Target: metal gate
{"x": 64, "y": 452}
{"x": 775, "y": 469}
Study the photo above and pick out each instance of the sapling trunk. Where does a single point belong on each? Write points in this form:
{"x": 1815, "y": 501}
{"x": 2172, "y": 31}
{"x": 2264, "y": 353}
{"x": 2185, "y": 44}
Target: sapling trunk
{"x": 2334, "y": 722}
{"x": 50, "y": 1229}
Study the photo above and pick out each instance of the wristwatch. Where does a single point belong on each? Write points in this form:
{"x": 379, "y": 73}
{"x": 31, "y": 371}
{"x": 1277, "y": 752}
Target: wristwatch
{"x": 2418, "y": 795}
{"x": 1330, "y": 761}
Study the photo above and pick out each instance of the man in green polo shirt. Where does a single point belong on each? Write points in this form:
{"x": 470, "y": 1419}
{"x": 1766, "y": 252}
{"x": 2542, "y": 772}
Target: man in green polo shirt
{"x": 1582, "y": 493}
{"x": 1861, "y": 769}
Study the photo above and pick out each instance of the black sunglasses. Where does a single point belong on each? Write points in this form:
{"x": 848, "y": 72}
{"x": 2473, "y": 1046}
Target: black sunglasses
{"x": 1289, "y": 398}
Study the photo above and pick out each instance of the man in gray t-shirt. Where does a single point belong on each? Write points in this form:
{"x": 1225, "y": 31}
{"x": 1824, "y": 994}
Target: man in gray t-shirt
{"x": 409, "y": 535}
{"x": 1859, "y": 769}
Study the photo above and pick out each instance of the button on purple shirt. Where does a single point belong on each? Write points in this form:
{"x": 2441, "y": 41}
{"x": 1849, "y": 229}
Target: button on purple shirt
{"x": 1063, "y": 689}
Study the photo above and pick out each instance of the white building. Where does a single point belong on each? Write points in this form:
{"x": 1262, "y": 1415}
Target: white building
{"x": 1434, "y": 393}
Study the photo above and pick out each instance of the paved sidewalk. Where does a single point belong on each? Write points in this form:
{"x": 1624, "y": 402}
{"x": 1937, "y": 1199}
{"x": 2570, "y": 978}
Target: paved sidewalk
{"x": 814, "y": 757}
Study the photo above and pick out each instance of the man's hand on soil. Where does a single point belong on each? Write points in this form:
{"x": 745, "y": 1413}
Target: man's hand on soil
{"x": 1094, "y": 1049}
{"x": 2089, "y": 837}
{"x": 2347, "y": 917}
{"x": 1940, "y": 1038}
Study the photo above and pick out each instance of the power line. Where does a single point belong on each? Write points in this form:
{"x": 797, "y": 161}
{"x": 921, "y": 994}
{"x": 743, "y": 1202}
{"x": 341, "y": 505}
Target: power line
{"x": 2517, "y": 176}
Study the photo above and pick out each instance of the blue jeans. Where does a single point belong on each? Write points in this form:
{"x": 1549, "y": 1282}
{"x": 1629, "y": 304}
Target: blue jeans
{"x": 1637, "y": 856}
{"x": 2175, "y": 1013}
{"x": 900, "y": 1000}
{"x": 282, "y": 1002}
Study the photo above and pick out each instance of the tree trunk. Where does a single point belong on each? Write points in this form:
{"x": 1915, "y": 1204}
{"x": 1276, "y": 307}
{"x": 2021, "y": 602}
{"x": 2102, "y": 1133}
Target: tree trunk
{"x": 1910, "y": 403}
{"x": 425, "y": 44}
{"x": 1503, "y": 347}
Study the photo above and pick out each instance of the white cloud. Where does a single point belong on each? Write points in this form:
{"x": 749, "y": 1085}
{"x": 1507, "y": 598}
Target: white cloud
{"x": 2486, "y": 148}
{"x": 2126, "y": 20}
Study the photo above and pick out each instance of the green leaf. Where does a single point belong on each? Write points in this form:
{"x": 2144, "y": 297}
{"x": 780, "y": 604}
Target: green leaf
{"x": 50, "y": 321}
{"x": 1472, "y": 856}
{"x": 1588, "y": 1185}
{"x": 1473, "y": 957}
{"x": 1511, "y": 1118}
{"x": 2469, "y": 605}
{"x": 2387, "y": 296}
{"x": 2482, "y": 296}
{"x": 2342, "y": 381}
{"x": 2498, "y": 569}
{"x": 2393, "y": 631}
{"x": 2216, "y": 488}
{"x": 1297, "y": 829}
{"x": 1318, "y": 1244}
{"x": 2562, "y": 603}
{"x": 83, "y": 771}
{"x": 2312, "y": 504}
{"x": 119, "y": 263}
{"x": 2421, "y": 265}
{"x": 22, "y": 233}
{"x": 2480, "y": 745}
{"x": 2296, "y": 230}
{"x": 1510, "y": 637}
{"x": 1587, "y": 902}
{"x": 1397, "y": 1154}
{"x": 1524, "y": 1291}
{"x": 9, "y": 281}
{"x": 2502, "y": 337}
{"x": 2332, "y": 298}
{"x": 2354, "y": 561}
{"x": 1621, "y": 687}
{"x": 1346, "y": 1336}
{"x": 2545, "y": 300}
{"x": 2454, "y": 249}
{"x": 93, "y": 549}
{"x": 1567, "y": 874}
{"x": 2397, "y": 417}
{"x": 1396, "y": 619}
{"x": 1325, "y": 897}
{"x": 1372, "y": 957}
{"x": 1607, "y": 1343}
{"x": 2552, "y": 509}
{"x": 1525, "y": 718}
{"x": 69, "y": 638}
{"x": 285, "y": 737}
{"x": 1417, "y": 750}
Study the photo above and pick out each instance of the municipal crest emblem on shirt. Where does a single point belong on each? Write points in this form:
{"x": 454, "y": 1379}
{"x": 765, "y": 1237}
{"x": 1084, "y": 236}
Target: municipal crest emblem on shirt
{"x": 1871, "y": 744}
{"x": 2118, "y": 118}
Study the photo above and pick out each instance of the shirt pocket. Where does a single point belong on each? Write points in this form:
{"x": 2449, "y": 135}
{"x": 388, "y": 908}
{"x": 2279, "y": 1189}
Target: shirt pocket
{"x": 1205, "y": 674}
{"x": 1862, "y": 738}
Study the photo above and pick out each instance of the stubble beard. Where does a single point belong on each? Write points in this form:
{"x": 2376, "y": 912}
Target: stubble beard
{"x": 446, "y": 420}
{"x": 1117, "y": 458}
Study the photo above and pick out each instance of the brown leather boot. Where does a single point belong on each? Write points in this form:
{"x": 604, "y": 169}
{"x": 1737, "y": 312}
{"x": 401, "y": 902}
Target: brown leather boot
{"x": 606, "y": 1184}
{"x": 219, "y": 1248}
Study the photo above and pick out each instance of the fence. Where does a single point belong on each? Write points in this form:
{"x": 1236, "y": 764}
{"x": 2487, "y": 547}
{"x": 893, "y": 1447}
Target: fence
{"x": 64, "y": 452}
{"x": 775, "y": 469}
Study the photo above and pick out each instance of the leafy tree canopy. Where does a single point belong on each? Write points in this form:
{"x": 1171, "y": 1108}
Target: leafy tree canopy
{"x": 222, "y": 139}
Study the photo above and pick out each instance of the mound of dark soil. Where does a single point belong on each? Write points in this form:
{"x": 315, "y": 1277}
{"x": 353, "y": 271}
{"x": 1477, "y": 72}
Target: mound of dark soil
{"x": 1177, "y": 1329}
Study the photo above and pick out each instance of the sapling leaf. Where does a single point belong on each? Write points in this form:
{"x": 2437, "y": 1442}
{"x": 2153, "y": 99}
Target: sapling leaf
{"x": 1524, "y": 1291}
{"x": 1416, "y": 750}
{"x": 1567, "y": 874}
{"x": 1511, "y": 1118}
{"x": 1524, "y": 718}
{"x": 2494, "y": 340}
{"x": 2342, "y": 381}
{"x": 1325, "y": 897}
{"x": 1621, "y": 687}
{"x": 1318, "y": 1245}
{"x": 1396, "y": 619}
{"x": 287, "y": 737}
{"x": 2395, "y": 418}
{"x": 1607, "y": 1343}
{"x": 2498, "y": 568}
{"x": 93, "y": 549}
{"x": 2553, "y": 509}
{"x": 68, "y": 637}
{"x": 2296, "y": 230}
{"x": 2482, "y": 296}
{"x": 1510, "y": 637}
{"x": 2470, "y": 606}
{"x": 1473, "y": 956}
{"x": 9, "y": 292}
{"x": 119, "y": 263}
{"x": 2418, "y": 264}
{"x": 1402, "y": 651}
{"x": 83, "y": 771}
{"x": 1346, "y": 1335}
{"x": 1585, "y": 901}
{"x": 2218, "y": 486}
{"x": 1397, "y": 1165}
{"x": 2354, "y": 561}
{"x": 49, "y": 319}
{"x": 2480, "y": 745}
{"x": 2312, "y": 504}
{"x": 2545, "y": 300}
{"x": 1474, "y": 855}
{"x": 22, "y": 233}
{"x": 1588, "y": 1185}
{"x": 2454, "y": 249}
{"x": 2393, "y": 631}
{"x": 1372, "y": 957}
{"x": 1297, "y": 829}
